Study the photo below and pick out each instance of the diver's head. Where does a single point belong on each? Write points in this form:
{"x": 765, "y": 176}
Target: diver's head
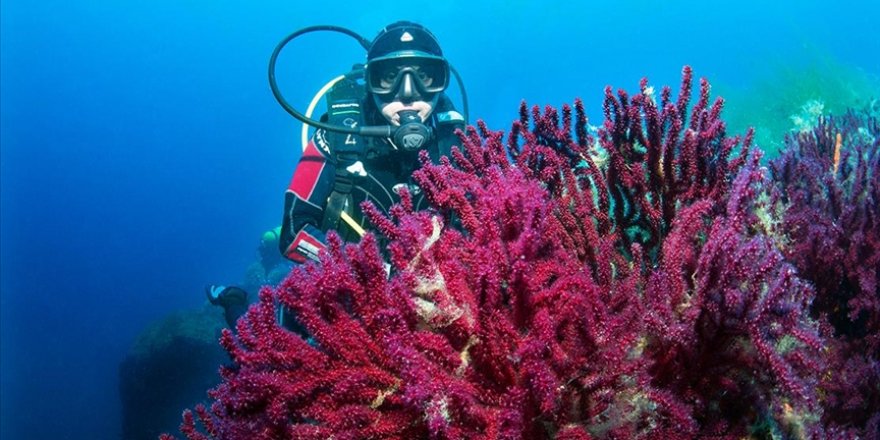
{"x": 406, "y": 71}
{"x": 268, "y": 249}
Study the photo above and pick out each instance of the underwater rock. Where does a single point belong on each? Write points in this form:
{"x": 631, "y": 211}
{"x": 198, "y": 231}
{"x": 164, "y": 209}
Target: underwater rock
{"x": 169, "y": 366}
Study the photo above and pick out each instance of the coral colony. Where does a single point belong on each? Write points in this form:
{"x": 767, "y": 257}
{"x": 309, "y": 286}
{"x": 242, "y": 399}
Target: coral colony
{"x": 652, "y": 282}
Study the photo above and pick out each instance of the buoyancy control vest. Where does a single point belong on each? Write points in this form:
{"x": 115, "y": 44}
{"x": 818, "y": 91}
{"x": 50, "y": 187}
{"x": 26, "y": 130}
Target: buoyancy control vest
{"x": 369, "y": 168}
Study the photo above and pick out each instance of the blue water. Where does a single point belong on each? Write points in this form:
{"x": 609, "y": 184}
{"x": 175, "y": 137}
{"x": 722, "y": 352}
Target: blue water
{"x": 143, "y": 153}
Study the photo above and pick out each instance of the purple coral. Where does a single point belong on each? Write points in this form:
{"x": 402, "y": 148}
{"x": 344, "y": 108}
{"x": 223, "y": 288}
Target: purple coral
{"x": 828, "y": 203}
{"x": 731, "y": 310}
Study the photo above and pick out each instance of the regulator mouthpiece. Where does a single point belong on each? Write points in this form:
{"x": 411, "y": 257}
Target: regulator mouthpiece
{"x": 412, "y": 134}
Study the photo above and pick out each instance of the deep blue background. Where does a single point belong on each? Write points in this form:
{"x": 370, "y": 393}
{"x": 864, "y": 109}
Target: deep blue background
{"x": 143, "y": 154}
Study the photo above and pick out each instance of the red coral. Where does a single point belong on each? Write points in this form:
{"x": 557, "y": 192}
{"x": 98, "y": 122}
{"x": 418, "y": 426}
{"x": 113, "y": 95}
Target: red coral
{"x": 547, "y": 294}
{"x": 658, "y": 161}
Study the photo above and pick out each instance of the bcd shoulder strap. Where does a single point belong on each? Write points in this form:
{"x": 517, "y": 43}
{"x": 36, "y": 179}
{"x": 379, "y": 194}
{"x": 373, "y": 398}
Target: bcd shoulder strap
{"x": 343, "y": 108}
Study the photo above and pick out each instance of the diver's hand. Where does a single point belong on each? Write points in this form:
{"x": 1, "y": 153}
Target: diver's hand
{"x": 306, "y": 245}
{"x": 225, "y": 296}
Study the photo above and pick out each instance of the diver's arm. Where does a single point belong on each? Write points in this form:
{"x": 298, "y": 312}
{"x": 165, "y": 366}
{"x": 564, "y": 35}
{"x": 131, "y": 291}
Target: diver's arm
{"x": 301, "y": 237}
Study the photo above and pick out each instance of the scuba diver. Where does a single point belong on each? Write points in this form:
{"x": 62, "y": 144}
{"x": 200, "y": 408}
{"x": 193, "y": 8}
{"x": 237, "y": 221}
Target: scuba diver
{"x": 365, "y": 148}
{"x": 405, "y": 79}
{"x": 269, "y": 268}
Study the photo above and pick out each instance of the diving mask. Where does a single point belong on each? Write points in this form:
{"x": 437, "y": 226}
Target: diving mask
{"x": 427, "y": 73}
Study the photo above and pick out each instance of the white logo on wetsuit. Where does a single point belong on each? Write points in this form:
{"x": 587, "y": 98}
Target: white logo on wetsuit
{"x": 321, "y": 140}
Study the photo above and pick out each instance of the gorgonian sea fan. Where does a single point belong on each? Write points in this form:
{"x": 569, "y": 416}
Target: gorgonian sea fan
{"x": 556, "y": 289}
